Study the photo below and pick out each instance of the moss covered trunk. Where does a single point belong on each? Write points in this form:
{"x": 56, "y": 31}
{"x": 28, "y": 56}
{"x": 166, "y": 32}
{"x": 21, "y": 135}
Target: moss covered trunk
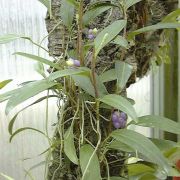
{"x": 75, "y": 107}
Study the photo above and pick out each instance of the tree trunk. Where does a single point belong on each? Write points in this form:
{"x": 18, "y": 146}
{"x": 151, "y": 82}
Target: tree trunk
{"x": 144, "y": 13}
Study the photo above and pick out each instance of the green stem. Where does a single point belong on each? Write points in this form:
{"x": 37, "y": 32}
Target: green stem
{"x": 93, "y": 74}
{"x": 80, "y": 29}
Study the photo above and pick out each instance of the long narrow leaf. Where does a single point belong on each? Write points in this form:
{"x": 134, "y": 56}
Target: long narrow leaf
{"x": 7, "y": 95}
{"x": 84, "y": 81}
{"x": 12, "y": 121}
{"x": 39, "y": 59}
{"x": 172, "y": 17}
{"x": 47, "y": 4}
{"x": 129, "y": 3}
{"x": 164, "y": 145}
{"x": 118, "y": 102}
{"x": 92, "y": 172}
{"x": 67, "y": 13}
{"x": 69, "y": 147}
{"x": 4, "y": 83}
{"x": 93, "y": 13}
{"x": 117, "y": 178}
{"x": 7, "y": 177}
{"x": 12, "y": 37}
{"x": 8, "y": 38}
{"x": 24, "y": 129}
{"x": 123, "y": 72}
{"x": 162, "y": 123}
{"x": 143, "y": 145}
{"x": 108, "y": 34}
{"x": 27, "y": 92}
{"x": 65, "y": 72}
{"x": 153, "y": 28}
{"x": 109, "y": 75}
{"x": 121, "y": 41}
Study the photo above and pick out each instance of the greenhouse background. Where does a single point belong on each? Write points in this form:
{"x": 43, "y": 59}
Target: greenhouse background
{"x": 26, "y": 17}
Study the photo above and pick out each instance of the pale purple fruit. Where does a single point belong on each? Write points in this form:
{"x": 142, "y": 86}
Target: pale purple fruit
{"x": 123, "y": 115}
{"x": 77, "y": 63}
{"x": 73, "y": 62}
{"x": 119, "y": 119}
{"x": 117, "y": 125}
{"x": 91, "y": 36}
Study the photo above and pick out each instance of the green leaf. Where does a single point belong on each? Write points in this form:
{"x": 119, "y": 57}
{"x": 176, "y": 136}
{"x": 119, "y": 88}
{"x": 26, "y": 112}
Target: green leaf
{"x": 108, "y": 34}
{"x": 129, "y": 3}
{"x": 162, "y": 123}
{"x": 144, "y": 176}
{"x": 164, "y": 145}
{"x": 123, "y": 72}
{"x": 171, "y": 152}
{"x": 7, "y": 177}
{"x": 118, "y": 102}
{"x": 67, "y": 13}
{"x": 39, "y": 68}
{"x": 69, "y": 148}
{"x": 153, "y": 28}
{"x": 109, "y": 75}
{"x": 172, "y": 17}
{"x": 89, "y": 164}
{"x": 121, "y": 41}
{"x": 93, "y": 13}
{"x": 117, "y": 178}
{"x": 12, "y": 121}
{"x": 137, "y": 169}
{"x": 73, "y": 2}
{"x": 24, "y": 129}
{"x": 84, "y": 81}
{"x": 65, "y": 72}
{"x": 4, "y": 83}
{"x": 27, "y": 92}
{"x": 47, "y": 4}
{"x": 7, "y": 95}
{"x": 8, "y": 38}
{"x": 120, "y": 146}
{"x": 174, "y": 172}
{"x": 39, "y": 59}
{"x": 143, "y": 145}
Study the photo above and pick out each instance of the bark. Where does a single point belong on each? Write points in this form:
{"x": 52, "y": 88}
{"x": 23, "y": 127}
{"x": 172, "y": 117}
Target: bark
{"x": 138, "y": 56}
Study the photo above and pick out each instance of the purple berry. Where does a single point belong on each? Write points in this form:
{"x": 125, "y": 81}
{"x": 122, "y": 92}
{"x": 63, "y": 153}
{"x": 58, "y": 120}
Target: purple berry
{"x": 122, "y": 123}
{"x": 119, "y": 119}
{"x": 77, "y": 63}
{"x": 91, "y": 36}
{"x": 123, "y": 115}
{"x": 73, "y": 62}
{"x": 117, "y": 125}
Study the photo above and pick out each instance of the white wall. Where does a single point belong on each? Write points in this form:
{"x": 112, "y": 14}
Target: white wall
{"x": 24, "y": 17}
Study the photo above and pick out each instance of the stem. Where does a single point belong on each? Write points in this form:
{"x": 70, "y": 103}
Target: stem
{"x": 47, "y": 114}
{"x": 82, "y": 128}
{"x": 99, "y": 140}
{"x": 124, "y": 31}
{"x": 80, "y": 28}
{"x": 93, "y": 74}
{"x": 107, "y": 167}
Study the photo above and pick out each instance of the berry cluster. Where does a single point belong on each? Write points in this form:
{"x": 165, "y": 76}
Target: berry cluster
{"x": 119, "y": 119}
{"x": 92, "y": 33}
